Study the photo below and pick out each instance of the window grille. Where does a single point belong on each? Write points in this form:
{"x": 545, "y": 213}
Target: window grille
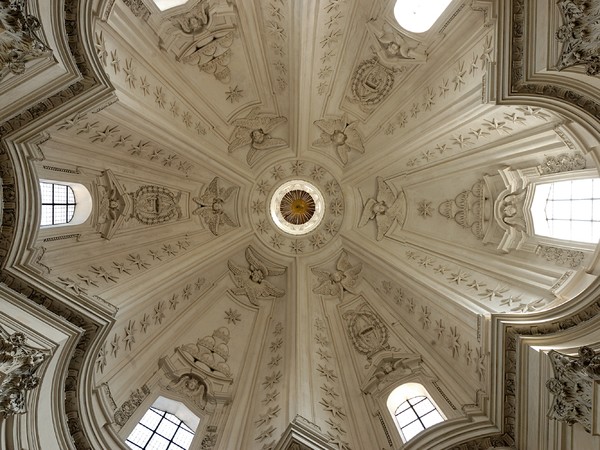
{"x": 160, "y": 430}
{"x": 415, "y": 415}
{"x": 58, "y": 204}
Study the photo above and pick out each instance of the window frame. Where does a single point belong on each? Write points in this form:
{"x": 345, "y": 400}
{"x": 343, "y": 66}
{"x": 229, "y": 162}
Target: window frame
{"x": 83, "y": 203}
{"x": 404, "y": 392}
{"x": 555, "y": 178}
{"x": 163, "y": 417}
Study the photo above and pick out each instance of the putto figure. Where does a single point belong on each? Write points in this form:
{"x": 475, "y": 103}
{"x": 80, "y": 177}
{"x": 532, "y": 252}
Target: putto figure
{"x": 345, "y": 278}
{"x": 254, "y": 131}
{"x": 252, "y": 282}
{"x": 385, "y": 209}
{"x": 211, "y": 206}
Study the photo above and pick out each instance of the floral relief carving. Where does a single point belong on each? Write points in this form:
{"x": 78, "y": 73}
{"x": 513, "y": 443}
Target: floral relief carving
{"x": 561, "y": 256}
{"x": 343, "y": 279}
{"x": 18, "y": 365}
{"x": 126, "y": 410}
{"x": 340, "y": 135}
{"x": 387, "y": 208}
{"x": 564, "y": 162}
{"x": 211, "y": 207}
{"x": 252, "y": 282}
{"x": 579, "y": 35}
{"x": 19, "y": 42}
{"x": 572, "y": 386}
{"x": 254, "y": 131}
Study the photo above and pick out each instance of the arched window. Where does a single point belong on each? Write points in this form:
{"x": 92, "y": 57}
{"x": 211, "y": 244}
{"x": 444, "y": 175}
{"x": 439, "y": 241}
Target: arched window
{"x": 64, "y": 203}
{"x": 412, "y": 410}
{"x": 168, "y": 4}
{"x": 58, "y": 204}
{"x": 568, "y": 210}
{"x": 167, "y": 425}
{"x": 419, "y": 16}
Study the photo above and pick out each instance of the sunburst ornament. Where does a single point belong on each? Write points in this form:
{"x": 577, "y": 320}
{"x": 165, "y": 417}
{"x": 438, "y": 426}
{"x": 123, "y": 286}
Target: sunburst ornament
{"x": 297, "y": 207}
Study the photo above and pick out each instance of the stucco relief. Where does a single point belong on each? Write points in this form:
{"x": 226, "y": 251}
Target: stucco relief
{"x": 212, "y": 204}
{"x": 572, "y": 386}
{"x": 255, "y": 131}
{"x": 19, "y": 42}
{"x": 251, "y": 282}
{"x": 580, "y": 35}
{"x": 18, "y": 365}
{"x": 386, "y": 209}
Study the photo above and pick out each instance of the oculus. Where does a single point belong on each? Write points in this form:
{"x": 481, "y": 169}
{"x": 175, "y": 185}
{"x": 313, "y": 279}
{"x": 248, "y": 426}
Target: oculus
{"x": 297, "y": 207}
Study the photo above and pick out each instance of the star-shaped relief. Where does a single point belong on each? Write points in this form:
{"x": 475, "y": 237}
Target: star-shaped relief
{"x": 330, "y": 406}
{"x": 272, "y": 380}
{"x": 129, "y": 338}
{"x": 144, "y": 323}
{"x": 159, "y": 313}
{"x": 270, "y": 397}
{"x": 329, "y": 390}
{"x": 173, "y": 302}
{"x": 459, "y": 277}
{"x": 323, "y": 354}
{"x": 329, "y": 374}
{"x": 115, "y": 345}
{"x": 233, "y": 316}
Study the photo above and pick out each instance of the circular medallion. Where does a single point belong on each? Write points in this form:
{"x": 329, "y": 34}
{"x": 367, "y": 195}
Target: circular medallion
{"x": 296, "y": 207}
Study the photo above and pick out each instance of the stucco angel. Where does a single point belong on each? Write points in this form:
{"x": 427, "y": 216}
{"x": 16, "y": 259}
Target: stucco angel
{"x": 394, "y": 47}
{"x": 254, "y": 131}
{"x": 385, "y": 209}
{"x": 252, "y": 282}
{"x": 211, "y": 206}
{"x": 194, "y": 21}
{"x": 342, "y": 135}
{"x": 345, "y": 278}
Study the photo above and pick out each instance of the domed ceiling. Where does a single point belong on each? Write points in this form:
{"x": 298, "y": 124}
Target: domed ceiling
{"x": 220, "y": 113}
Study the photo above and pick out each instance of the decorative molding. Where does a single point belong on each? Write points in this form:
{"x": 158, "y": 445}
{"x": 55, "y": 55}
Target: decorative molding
{"x": 573, "y": 386}
{"x": 138, "y": 8}
{"x": 254, "y": 130}
{"x": 561, "y": 256}
{"x": 345, "y": 278}
{"x": 20, "y": 40}
{"x": 211, "y": 206}
{"x": 210, "y": 438}
{"x": 252, "y": 282}
{"x": 18, "y": 364}
{"x": 126, "y": 410}
{"x": 387, "y": 208}
{"x": 341, "y": 135}
{"x": 389, "y": 368}
{"x": 564, "y": 162}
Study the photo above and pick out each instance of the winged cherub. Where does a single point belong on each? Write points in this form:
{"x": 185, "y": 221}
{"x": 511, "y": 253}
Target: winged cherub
{"x": 254, "y": 131}
{"x": 345, "y": 278}
{"x": 252, "y": 282}
{"x": 340, "y": 134}
{"x": 211, "y": 206}
{"x": 385, "y": 209}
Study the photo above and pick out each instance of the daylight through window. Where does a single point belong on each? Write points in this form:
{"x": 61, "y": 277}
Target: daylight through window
{"x": 418, "y": 16}
{"x": 58, "y": 204}
{"x": 160, "y": 430}
{"x": 568, "y": 210}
